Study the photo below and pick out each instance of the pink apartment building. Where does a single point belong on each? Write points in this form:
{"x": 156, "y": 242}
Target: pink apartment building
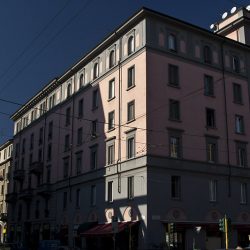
{"x": 150, "y": 128}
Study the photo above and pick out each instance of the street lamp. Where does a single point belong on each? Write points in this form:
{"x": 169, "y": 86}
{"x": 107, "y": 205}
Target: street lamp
{"x": 197, "y": 231}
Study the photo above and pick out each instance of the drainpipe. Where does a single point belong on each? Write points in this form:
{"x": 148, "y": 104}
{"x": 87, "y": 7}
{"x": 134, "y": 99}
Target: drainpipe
{"x": 226, "y": 118}
{"x": 118, "y": 163}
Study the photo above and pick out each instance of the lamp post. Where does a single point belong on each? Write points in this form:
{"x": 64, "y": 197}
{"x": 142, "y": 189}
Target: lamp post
{"x": 196, "y": 231}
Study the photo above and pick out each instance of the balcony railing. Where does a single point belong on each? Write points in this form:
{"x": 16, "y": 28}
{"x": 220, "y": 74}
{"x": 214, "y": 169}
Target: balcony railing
{"x": 44, "y": 190}
{"x": 36, "y": 168}
{"x": 26, "y": 194}
{"x": 11, "y": 197}
{"x": 18, "y": 174}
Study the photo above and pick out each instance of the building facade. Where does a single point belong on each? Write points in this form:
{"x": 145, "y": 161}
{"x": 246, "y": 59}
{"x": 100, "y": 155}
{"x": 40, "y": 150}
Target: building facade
{"x": 149, "y": 128}
{"x": 5, "y": 165}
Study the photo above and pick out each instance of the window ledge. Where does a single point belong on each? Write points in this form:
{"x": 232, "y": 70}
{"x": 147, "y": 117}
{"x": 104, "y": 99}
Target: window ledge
{"x": 94, "y": 108}
{"x": 238, "y": 103}
{"x": 112, "y": 98}
{"x": 130, "y": 121}
{"x": 174, "y": 120}
{"x": 208, "y": 127}
{"x": 110, "y": 130}
{"x": 174, "y": 86}
{"x": 212, "y": 96}
{"x": 240, "y": 133}
{"x": 131, "y": 87}
{"x": 243, "y": 203}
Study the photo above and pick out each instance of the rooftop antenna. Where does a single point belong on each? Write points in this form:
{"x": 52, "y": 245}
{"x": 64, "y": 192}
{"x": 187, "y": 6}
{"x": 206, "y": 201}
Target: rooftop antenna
{"x": 233, "y": 10}
{"x": 224, "y": 15}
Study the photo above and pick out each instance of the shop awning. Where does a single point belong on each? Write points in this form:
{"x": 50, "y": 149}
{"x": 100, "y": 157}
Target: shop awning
{"x": 85, "y": 226}
{"x": 106, "y": 229}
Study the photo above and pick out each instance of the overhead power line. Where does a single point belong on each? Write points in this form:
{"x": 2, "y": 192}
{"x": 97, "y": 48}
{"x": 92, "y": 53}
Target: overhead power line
{"x": 8, "y": 83}
{"x": 19, "y": 56}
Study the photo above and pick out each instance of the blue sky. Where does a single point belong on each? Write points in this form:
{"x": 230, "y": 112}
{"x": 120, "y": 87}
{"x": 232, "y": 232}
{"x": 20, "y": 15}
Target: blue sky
{"x": 41, "y": 39}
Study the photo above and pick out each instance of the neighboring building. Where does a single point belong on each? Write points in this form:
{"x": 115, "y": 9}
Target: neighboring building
{"x": 5, "y": 164}
{"x": 151, "y": 127}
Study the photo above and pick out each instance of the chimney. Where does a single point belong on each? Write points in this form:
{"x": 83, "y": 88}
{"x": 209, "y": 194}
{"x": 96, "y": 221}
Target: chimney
{"x": 234, "y": 25}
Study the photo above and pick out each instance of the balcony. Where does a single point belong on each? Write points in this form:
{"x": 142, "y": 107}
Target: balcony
{"x": 3, "y": 217}
{"x": 36, "y": 168}
{"x": 26, "y": 194}
{"x": 44, "y": 190}
{"x": 18, "y": 174}
{"x": 11, "y": 197}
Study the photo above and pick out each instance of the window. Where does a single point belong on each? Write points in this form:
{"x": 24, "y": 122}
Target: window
{"x": 111, "y": 89}
{"x": 78, "y": 163}
{"x": 37, "y": 210}
{"x": 95, "y": 99}
{"x": 96, "y": 70}
{"x": 208, "y": 85}
{"x": 212, "y": 154}
{"x": 65, "y": 199}
{"x": 235, "y": 64}
{"x": 79, "y": 136}
{"x": 40, "y": 154}
{"x": 241, "y": 153}
{"x": 50, "y": 132}
{"x": 65, "y": 167}
{"x": 67, "y": 118}
{"x": 33, "y": 115}
{"x": 111, "y": 120}
{"x": 131, "y": 77}
{"x": 52, "y": 101}
{"x": 239, "y": 124}
{"x": 111, "y": 59}
{"x": 174, "y": 110}
{"x": 48, "y": 175}
{"x": 31, "y": 141}
{"x": 94, "y": 129}
{"x": 213, "y": 190}
{"x": 93, "y": 195}
{"x": 175, "y": 187}
{"x": 110, "y": 191}
{"x": 69, "y": 88}
{"x": 110, "y": 153}
{"x": 207, "y": 54}
{"x": 42, "y": 108}
{"x": 131, "y": 111}
{"x": 175, "y": 147}
{"x": 23, "y": 146}
{"x": 131, "y": 45}
{"x": 40, "y": 141}
{"x": 172, "y": 44}
{"x": 130, "y": 147}
{"x": 81, "y": 80}
{"x": 237, "y": 92}
{"x": 17, "y": 148}
{"x": 66, "y": 143}
{"x": 130, "y": 187}
{"x": 78, "y": 198}
{"x": 80, "y": 108}
{"x": 93, "y": 157}
{"x": 243, "y": 193}
{"x": 210, "y": 118}
{"x": 30, "y": 159}
{"x": 173, "y": 75}
{"x": 49, "y": 152}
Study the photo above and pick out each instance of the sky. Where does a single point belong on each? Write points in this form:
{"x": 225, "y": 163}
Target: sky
{"x": 40, "y": 40}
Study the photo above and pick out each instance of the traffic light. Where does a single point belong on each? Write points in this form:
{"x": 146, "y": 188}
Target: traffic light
{"x": 222, "y": 225}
